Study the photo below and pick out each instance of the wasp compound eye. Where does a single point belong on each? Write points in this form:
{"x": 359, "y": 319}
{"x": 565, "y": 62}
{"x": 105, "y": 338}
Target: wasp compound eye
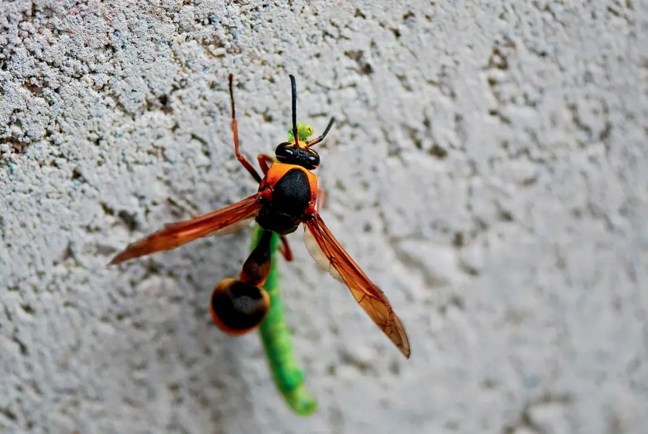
{"x": 238, "y": 307}
{"x": 291, "y": 154}
{"x": 285, "y": 152}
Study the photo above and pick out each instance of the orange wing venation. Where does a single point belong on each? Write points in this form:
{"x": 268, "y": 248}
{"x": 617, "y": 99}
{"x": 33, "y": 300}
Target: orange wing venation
{"x": 176, "y": 234}
{"x": 367, "y": 294}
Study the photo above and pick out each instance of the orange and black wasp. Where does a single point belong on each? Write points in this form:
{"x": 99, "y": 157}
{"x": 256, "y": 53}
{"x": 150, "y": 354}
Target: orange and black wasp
{"x": 287, "y": 197}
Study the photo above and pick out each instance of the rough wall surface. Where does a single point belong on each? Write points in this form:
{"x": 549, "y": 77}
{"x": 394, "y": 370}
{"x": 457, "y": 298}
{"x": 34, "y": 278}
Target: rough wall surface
{"x": 489, "y": 169}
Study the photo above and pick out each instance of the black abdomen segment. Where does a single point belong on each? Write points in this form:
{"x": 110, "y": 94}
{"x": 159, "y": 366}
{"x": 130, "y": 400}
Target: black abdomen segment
{"x": 290, "y": 199}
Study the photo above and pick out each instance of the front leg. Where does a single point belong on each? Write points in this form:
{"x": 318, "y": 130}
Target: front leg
{"x": 240, "y": 157}
{"x": 263, "y": 160}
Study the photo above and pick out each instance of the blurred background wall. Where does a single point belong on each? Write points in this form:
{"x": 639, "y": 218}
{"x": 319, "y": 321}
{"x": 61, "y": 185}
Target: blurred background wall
{"x": 488, "y": 169}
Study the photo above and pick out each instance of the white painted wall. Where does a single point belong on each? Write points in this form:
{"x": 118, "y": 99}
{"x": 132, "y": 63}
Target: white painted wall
{"x": 489, "y": 169}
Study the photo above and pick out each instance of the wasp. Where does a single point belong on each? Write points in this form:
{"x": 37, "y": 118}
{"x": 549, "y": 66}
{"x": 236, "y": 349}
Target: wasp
{"x": 287, "y": 197}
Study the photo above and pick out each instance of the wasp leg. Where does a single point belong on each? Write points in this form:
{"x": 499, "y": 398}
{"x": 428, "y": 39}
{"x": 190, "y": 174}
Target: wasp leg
{"x": 182, "y": 206}
{"x": 240, "y": 157}
{"x": 263, "y": 160}
{"x": 285, "y": 249}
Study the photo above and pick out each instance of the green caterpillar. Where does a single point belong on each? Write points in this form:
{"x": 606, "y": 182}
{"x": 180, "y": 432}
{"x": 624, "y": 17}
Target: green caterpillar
{"x": 277, "y": 341}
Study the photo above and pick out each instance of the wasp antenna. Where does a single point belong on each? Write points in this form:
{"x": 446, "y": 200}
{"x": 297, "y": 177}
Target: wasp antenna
{"x": 293, "y": 89}
{"x": 316, "y": 140}
{"x": 230, "y": 78}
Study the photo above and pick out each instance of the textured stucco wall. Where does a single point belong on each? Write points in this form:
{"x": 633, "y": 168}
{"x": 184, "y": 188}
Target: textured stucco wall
{"x": 489, "y": 169}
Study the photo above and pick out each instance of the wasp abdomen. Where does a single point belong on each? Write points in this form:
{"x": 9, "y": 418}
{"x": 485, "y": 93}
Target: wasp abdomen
{"x": 238, "y": 307}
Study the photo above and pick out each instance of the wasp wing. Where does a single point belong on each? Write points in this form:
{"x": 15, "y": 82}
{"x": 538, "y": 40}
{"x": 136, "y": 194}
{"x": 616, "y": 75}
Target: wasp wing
{"x": 367, "y": 294}
{"x": 318, "y": 255}
{"x": 179, "y": 233}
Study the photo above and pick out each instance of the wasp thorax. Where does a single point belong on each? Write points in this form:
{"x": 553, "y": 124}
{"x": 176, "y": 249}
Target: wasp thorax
{"x": 290, "y": 153}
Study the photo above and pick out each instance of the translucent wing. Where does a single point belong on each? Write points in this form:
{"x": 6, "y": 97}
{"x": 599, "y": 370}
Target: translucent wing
{"x": 179, "y": 233}
{"x": 366, "y": 293}
{"x": 318, "y": 255}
